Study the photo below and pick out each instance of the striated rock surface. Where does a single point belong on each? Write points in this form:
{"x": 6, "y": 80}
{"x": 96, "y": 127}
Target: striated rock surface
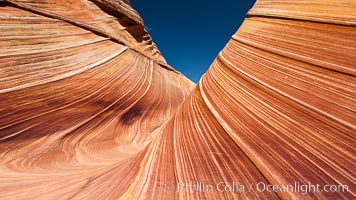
{"x": 82, "y": 92}
{"x": 90, "y": 110}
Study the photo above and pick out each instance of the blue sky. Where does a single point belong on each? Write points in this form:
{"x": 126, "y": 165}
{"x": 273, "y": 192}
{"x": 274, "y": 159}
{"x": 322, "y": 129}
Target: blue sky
{"x": 190, "y": 33}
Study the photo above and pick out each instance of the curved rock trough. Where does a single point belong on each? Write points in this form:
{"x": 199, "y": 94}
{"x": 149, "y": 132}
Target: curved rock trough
{"x": 91, "y": 110}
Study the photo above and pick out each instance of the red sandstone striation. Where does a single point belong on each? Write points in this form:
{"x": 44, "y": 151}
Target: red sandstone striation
{"x": 90, "y": 110}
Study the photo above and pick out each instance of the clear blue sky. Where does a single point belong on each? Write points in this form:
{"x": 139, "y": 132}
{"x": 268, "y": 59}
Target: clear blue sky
{"x": 190, "y": 33}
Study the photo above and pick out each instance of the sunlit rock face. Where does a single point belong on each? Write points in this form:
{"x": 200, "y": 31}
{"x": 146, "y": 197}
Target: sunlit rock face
{"x": 83, "y": 91}
{"x": 90, "y": 110}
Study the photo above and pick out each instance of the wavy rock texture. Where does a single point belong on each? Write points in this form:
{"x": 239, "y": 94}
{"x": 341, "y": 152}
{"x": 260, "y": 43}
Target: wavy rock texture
{"x": 90, "y": 110}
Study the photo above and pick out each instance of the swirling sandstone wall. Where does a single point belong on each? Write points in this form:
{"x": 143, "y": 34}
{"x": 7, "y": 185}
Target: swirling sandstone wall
{"x": 90, "y": 110}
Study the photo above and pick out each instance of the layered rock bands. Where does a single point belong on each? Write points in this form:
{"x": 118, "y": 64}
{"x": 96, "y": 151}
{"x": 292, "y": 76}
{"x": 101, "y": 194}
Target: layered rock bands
{"x": 89, "y": 109}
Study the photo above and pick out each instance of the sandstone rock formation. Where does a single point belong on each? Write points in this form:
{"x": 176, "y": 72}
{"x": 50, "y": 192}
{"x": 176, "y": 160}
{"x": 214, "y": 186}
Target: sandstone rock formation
{"x": 90, "y": 110}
